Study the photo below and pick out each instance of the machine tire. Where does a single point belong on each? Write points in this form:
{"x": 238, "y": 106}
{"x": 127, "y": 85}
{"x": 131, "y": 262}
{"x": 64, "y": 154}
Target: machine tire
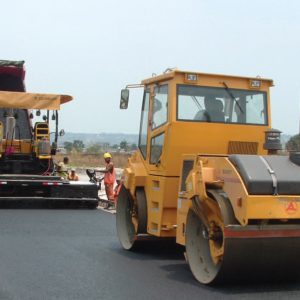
{"x": 93, "y": 205}
{"x": 198, "y": 251}
{"x": 239, "y": 259}
{"x": 142, "y": 210}
{"x": 126, "y": 230}
{"x": 105, "y": 204}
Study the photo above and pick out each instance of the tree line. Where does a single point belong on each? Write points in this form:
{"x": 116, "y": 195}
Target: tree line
{"x": 96, "y": 148}
{"x": 293, "y": 144}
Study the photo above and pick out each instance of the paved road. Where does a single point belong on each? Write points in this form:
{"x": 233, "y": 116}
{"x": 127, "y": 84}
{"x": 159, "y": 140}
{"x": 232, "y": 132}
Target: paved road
{"x": 74, "y": 254}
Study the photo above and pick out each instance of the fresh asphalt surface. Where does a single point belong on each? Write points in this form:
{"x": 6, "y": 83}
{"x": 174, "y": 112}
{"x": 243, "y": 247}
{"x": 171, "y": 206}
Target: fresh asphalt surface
{"x": 75, "y": 254}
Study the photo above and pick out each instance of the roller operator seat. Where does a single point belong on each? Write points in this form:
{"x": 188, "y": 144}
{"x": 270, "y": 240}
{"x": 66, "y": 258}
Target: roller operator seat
{"x": 213, "y": 111}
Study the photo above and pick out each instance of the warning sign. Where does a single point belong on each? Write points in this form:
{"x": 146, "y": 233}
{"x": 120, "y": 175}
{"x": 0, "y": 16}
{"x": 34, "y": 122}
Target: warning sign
{"x": 291, "y": 207}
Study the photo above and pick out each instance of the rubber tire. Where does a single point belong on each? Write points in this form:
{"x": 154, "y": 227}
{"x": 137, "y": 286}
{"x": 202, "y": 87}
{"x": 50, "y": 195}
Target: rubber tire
{"x": 125, "y": 228}
{"x": 142, "y": 210}
{"x": 197, "y": 246}
{"x": 198, "y": 251}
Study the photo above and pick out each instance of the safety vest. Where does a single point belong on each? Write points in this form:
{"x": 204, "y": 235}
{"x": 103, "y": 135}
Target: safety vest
{"x": 73, "y": 178}
{"x": 109, "y": 177}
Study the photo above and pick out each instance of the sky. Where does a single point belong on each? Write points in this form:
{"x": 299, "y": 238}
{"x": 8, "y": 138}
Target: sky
{"x": 91, "y": 49}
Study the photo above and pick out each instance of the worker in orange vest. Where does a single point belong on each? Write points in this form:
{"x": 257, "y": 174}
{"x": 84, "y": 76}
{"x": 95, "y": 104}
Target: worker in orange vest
{"x": 73, "y": 176}
{"x": 109, "y": 177}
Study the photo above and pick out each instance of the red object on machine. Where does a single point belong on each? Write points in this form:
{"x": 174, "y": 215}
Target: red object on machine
{"x": 13, "y": 70}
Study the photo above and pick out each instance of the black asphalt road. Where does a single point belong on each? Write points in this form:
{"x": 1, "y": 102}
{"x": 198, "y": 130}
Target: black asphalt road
{"x": 75, "y": 254}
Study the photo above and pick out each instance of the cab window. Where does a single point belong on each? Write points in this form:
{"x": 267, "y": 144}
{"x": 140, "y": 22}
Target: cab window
{"x": 156, "y": 148}
{"x": 160, "y": 106}
{"x": 221, "y": 105}
{"x": 144, "y": 124}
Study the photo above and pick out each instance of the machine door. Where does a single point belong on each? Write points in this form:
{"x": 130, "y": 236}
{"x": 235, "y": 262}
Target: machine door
{"x": 157, "y": 124}
{"x": 143, "y": 136}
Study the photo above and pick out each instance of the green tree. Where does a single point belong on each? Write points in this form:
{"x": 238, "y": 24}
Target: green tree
{"x": 78, "y": 145}
{"x": 124, "y": 145}
{"x": 293, "y": 143}
{"x": 133, "y": 147}
{"x": 68, "y": 146}
{"x": 94, "y": 149}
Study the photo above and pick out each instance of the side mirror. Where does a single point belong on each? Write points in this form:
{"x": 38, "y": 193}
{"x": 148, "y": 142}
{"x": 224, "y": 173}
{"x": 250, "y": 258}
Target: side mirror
{"x": 62, "y": 132}
{"x": 124, "y": 99}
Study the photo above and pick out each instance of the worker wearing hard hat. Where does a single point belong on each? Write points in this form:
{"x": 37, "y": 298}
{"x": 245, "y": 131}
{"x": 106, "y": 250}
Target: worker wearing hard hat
{"x": 109, "y": 176}
{"x": 61, "y": 168}
{"x": 73, "y": 176}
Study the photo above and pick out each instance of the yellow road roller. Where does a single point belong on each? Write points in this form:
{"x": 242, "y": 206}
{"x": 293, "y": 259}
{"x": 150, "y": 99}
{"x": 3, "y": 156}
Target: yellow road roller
{"x": 208, "y": 174}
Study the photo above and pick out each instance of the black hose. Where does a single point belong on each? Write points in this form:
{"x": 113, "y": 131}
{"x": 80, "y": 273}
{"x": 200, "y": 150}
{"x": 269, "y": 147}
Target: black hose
{"x": 56, "y": 127}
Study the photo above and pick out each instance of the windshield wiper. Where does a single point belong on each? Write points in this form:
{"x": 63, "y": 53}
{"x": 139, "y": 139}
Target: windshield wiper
{"x": 232, "y": 96}
{"x": 197, "y": 102}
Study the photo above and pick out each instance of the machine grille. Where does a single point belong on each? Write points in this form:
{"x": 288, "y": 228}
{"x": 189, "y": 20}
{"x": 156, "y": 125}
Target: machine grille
{"x": 237, "y": 147}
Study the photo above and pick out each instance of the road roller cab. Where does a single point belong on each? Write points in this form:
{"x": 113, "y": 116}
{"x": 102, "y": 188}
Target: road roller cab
{"x": 205, "y": 169}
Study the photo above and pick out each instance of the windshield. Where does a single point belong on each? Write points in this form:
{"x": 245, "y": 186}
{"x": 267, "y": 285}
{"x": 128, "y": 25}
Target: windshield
{"x": 221, "y": 105}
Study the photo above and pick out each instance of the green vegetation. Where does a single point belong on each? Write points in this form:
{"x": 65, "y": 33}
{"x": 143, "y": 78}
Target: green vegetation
{"x": 293, "y": 144}
{"x": 76, "y": 145}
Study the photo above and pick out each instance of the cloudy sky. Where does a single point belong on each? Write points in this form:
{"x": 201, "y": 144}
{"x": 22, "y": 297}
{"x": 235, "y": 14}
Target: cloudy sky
{"x": 91, "y": 49}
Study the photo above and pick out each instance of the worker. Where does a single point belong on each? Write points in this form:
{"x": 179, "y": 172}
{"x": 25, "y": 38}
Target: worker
{"x": 73, "y": 176}
{"x": 62, "y": 170}
{"x": 213, "y": 111}
{"x": 109, "y": 178}
{"x": 66, "y": 160}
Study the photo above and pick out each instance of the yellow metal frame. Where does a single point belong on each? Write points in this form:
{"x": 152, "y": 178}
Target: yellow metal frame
{"x": 219, "y": 172}
{"x": 166, "y": 210}
{"x": 41, "y": 130}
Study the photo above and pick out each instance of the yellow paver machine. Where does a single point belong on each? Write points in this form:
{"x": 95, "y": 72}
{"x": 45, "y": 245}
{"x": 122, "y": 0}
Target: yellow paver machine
{"x": 27, "y": 148}
{"x": 207, "y": 172}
